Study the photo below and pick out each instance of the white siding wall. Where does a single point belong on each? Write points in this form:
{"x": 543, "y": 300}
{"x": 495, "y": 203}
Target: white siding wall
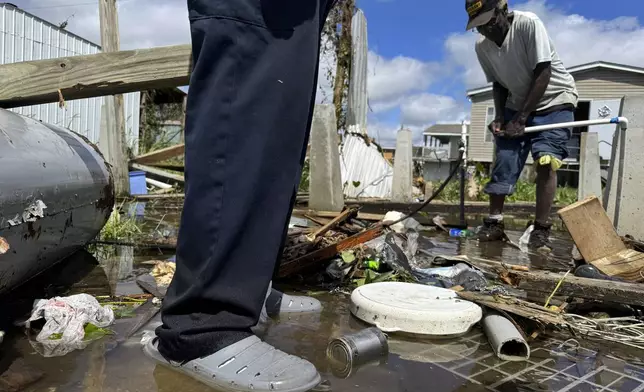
{"x": 25, "y": 37}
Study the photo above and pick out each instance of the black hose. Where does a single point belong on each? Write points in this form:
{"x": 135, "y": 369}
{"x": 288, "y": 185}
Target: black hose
{"x": 434, "y": 195}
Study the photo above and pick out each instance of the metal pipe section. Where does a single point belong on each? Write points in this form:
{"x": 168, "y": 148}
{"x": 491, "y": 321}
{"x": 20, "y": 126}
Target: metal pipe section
{"x": 56, "y": 194}
{"x": 622, "y": 121}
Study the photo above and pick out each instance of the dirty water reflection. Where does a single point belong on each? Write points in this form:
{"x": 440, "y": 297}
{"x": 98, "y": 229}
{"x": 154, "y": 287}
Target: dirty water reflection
{"x": 466, "y": 364}
{"x": 558, "y": 260}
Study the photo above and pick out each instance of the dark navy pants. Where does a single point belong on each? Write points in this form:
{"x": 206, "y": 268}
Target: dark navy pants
{"x": 249, "y": 111}
{"x": 512, "y": 153}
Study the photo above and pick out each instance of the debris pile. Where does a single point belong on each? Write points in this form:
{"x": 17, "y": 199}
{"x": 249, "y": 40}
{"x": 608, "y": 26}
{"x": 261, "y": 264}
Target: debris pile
{"x": 601, "y": 297}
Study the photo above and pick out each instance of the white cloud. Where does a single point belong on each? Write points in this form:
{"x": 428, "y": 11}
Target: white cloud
{"x": 425, "y": 109}
{"x": 578, "y": 40}
{"x": 389, "y": 81}
{"x": 142, "y": 23}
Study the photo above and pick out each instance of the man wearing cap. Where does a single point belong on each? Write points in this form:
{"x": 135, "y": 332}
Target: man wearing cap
{"x": 531, "y": 87}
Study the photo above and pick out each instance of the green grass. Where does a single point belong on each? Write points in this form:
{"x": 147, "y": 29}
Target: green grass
{"x": 525, "y": 192}
{"x": 120, "y": 228}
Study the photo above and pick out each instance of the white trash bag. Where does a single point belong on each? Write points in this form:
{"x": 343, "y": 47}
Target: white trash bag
{"x": 67, "y": 317}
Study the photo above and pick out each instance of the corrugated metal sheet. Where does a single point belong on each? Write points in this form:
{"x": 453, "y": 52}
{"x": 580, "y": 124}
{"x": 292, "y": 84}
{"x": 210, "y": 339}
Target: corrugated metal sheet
{"x": 366, "y": 165}
{"x": 25, "y": 37}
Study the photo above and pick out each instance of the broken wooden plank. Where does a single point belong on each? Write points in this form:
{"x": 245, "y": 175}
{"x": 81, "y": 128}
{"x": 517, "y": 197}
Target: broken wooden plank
{"x": 298, "y": 265}
{"x": 599, "y": 243}
{"x": 346, "y": 214}
{"x": 160, "y": 155}
{"x": 319, "y": 221}
{"x": 593, "y": 289}
{"x": 154, "y": 196}
{"x": 158, "y": 172}
{"x": 36, "y": 82}
{"x": 591, "y": 229}
{"x": 180, "y": 167}
{"x": 627, "y": 264}
{"x": 515, "y": 306}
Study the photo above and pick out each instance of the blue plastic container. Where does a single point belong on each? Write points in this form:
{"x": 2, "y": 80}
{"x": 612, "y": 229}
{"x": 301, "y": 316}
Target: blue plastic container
{"x": 137, "y": 183}
{"x": 137, "y": 187}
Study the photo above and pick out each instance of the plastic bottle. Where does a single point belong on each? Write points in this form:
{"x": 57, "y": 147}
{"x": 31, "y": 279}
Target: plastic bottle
{"x": 461, "y": 233}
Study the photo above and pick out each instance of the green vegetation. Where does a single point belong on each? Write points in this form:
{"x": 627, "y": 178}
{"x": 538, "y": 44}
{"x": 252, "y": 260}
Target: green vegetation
{"x": 525, "y": 192}
{"x": 120, "y": 228}
{"x": 92, "y": 332}
{"x": 304, "y": 180}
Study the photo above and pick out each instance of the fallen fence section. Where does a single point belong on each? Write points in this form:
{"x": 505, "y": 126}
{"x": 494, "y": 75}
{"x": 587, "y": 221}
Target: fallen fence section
{"x": 45, "y": 81}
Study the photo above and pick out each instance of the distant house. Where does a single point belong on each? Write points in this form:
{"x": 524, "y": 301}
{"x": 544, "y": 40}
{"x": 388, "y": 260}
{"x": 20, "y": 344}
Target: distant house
{"x": 601, "y": 86}
{"x": 440, "y": 150}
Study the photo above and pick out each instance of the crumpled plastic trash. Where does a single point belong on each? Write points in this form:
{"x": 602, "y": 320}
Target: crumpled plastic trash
{"x": 404, "y": 226}
{"x": 66, "y": 318}
{"x": 525, "y": 238}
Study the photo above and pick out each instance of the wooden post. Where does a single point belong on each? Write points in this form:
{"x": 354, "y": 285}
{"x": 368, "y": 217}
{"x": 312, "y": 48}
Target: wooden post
{"x": 114, "y": 131}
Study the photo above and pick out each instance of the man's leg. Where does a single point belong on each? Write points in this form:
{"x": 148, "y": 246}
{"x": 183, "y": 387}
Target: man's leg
{"x": 249, "y": 111}
{"x": 549, "y": 149}
{"x": 510, "y": 157}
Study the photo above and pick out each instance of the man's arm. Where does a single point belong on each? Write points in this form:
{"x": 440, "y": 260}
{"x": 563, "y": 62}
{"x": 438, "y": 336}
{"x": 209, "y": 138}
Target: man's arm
{"x": 539, "y": 55}
{"x": 500, "y": 94}
{"x": 540, "y": 81}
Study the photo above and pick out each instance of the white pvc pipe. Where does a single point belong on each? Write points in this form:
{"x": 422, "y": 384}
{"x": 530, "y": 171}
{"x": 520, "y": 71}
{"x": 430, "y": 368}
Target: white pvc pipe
{"x": 158, "y": 184}
{"x": 622, "y": 121}
{"x": 464, "y": 125}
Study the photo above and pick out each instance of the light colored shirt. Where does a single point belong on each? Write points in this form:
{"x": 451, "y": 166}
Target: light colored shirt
{"x": 512, "y": 65}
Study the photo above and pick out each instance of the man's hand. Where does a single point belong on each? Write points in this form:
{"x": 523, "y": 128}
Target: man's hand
{"x": 495, "y": 126}
{"x": 516, "y": 127}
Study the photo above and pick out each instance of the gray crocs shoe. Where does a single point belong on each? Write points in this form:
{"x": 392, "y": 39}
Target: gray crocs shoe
{"x": 249, "y": 365}
{"x": 278, "y": 303}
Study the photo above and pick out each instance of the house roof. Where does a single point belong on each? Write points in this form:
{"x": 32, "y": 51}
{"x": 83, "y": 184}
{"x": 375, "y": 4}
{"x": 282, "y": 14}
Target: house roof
{"x": 444, "y": 130}
{"x": 575, "y": 69}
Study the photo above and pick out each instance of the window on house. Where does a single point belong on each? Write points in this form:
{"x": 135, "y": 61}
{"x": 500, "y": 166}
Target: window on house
{"x": 489, "y": 117}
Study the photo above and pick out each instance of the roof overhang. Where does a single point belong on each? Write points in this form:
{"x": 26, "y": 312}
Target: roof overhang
{"x": 441, "y": 134}
{"x": 573, "y": 70}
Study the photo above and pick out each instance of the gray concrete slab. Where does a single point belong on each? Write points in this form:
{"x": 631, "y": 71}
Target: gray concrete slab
{"x": 590, "y": 181}
{"x": 403, "y": 168}
{"x": 325, "y": 185}
{"x": 626, "y": 188}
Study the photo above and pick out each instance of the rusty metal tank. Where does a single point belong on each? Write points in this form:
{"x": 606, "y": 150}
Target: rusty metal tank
{"x": 56, "y": 194}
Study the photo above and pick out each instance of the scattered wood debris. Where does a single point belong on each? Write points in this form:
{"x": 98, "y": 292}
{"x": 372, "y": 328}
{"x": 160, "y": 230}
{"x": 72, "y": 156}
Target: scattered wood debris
{"x": 594, "y": 289}
{"x": 160, "y": 155}
{"x": 598, "y": 242}
{"x": 516, "y": 306}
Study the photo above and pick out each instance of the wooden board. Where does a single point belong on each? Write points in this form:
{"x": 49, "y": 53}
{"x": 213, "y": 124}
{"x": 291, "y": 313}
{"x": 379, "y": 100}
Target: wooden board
{"x": 35, "y": 82}
{"x": 572, "y": 286}
{"x": 303, "y": 263}
{"x": 591, "y": 229}
{"x": 627, "y": 264}
{"x": 158, "y": 172}
{"x": 515, "y": 306}
{"x": 599, "y": 243}
{"x": 160, "y": 155}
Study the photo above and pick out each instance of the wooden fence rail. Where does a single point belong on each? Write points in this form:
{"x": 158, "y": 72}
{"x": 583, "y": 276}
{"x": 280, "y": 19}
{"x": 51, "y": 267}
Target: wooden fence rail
{"x": 44, "y": 81}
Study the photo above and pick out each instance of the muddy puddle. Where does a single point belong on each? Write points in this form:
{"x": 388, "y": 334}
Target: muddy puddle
{"x": 464, "y": 364}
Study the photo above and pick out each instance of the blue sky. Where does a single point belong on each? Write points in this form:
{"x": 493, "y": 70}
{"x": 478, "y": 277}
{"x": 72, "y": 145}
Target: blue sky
{"x": 419, "y": 30}
{"x": 421, "y": 61}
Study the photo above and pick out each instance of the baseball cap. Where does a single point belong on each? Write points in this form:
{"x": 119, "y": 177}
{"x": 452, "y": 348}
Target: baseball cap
{"x": 480, "y": 11}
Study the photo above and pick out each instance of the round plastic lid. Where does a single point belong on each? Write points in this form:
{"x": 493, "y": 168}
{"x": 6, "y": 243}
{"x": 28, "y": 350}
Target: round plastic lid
{"x": 414, "y": 308}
